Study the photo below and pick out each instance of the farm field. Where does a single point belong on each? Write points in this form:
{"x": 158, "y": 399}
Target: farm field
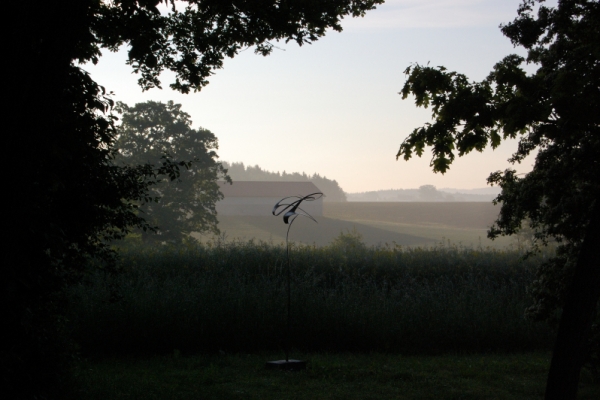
{"x": 328, "y": 376}
{"x": 194, "y": 321}
{"x": 346, "y": 297}
{"x": 379, "y": 223}
{"x": 273, "y": 230}
{"x": 463, "y": 215}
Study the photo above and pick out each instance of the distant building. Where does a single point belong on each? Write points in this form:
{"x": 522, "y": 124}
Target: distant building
{"x": 258, "y": 198}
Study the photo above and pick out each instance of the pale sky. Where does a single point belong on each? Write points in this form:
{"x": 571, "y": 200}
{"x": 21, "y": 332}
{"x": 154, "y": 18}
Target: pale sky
{"x": 333, "y": 107}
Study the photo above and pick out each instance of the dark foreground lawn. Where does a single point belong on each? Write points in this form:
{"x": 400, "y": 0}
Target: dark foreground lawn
{"x": 329, "y": 376}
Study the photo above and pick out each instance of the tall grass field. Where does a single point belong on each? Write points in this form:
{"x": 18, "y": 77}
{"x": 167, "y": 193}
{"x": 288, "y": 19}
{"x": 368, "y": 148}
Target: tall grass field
{"x": 346, "y": 297}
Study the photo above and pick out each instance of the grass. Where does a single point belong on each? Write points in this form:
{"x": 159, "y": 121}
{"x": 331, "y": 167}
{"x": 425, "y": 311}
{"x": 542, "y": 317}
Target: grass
{"x": 273, "y": 230}
{"x": 462, "y": 215}
{"x": 436, "y": 234}
{"x": 345, "y": 297}
{"x": 328, "y": 376}
{"x": 442, "y": 322}
{"x": 405, "y": 224}
{"x": 463, "y": 223}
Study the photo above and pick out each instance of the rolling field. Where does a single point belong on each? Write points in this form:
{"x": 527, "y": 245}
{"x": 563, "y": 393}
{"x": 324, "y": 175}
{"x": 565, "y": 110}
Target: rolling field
{"x": 460, "y": 215}
{"x": 272, "y": 229}
{"x": 379, "y": 223}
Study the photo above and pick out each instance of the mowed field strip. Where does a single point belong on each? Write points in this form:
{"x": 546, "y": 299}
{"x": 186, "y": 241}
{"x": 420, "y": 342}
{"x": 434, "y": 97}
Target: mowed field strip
{"x": 463, "y": 223}
{"x": 379, "y": 223}
{"x": 463, "y": 215}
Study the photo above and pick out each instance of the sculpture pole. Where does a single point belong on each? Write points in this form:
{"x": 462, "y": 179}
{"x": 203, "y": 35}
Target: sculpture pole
{"x": 292, "y": 209}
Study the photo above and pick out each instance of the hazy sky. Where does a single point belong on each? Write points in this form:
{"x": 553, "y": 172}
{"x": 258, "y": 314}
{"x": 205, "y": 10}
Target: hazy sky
{"x": 333, "y": 107}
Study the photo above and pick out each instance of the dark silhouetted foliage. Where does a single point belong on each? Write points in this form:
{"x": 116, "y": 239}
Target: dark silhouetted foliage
{"x": 553, "y": 111}
{"x": 67, "y": 198}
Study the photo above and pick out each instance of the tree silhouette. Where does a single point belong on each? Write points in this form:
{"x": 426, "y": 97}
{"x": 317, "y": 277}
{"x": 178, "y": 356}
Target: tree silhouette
{"x": 554, "y": 111}
{"x": 152, "y": 130}
{"x": 68, "y": 198}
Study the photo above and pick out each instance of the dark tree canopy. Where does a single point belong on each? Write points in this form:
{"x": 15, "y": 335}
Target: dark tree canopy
{"x": 148, "y": 133}
{"x": 194, "y": 38}
{"x": 556, "y": 112}
{"x": 68, "y": 197}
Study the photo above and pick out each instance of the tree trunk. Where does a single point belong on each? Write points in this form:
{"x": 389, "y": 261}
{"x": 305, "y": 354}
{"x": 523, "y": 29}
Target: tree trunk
{"x": 577, "y": 317}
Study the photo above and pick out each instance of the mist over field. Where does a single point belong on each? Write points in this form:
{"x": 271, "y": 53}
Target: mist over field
{"x": 424, "y": 216}
{"x": 427, "y": 193}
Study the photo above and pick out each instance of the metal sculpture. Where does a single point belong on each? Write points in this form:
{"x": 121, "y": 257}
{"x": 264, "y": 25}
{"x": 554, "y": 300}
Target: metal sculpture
{"x": 290, "y": 208}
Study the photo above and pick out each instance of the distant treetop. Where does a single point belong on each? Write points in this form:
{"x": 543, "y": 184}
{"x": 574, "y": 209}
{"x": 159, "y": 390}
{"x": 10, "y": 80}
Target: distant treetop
{"x": 239, "y": 172}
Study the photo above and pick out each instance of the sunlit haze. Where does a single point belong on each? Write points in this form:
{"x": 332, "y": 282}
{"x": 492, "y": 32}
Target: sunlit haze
{"x": 333, "y": 107}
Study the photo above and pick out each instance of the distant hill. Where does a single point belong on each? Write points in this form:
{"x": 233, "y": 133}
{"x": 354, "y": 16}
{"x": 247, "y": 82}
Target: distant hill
{"x": 427, "y": 193}
{"x": 330, "y": 188}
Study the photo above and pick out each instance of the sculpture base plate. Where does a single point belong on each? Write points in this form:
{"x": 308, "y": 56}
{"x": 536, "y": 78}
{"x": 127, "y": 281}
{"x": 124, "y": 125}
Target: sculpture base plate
{"x": 289, "y": 365}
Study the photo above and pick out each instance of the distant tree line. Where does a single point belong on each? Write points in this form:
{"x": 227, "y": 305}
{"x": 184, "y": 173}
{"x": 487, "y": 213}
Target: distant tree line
{"x": 425, "y": 193}
{"x": 330, "y": 188}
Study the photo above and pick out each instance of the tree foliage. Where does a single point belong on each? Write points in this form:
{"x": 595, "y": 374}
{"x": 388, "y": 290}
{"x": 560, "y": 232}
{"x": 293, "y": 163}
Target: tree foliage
{"x": 68, "y": 197}
{"x": 330, "y": 188}
{"x": 151, "y": 132}
{"x": 553, "y": 111}
{"x": 193, "y": 39}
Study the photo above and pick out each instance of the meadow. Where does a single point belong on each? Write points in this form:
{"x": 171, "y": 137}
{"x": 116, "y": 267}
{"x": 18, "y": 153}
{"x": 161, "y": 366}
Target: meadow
{"x": 402, "y": 223}
{"x": 200, "y": 320}
{"x": 347, "y": 296}
{"x": 462, "y": 215}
